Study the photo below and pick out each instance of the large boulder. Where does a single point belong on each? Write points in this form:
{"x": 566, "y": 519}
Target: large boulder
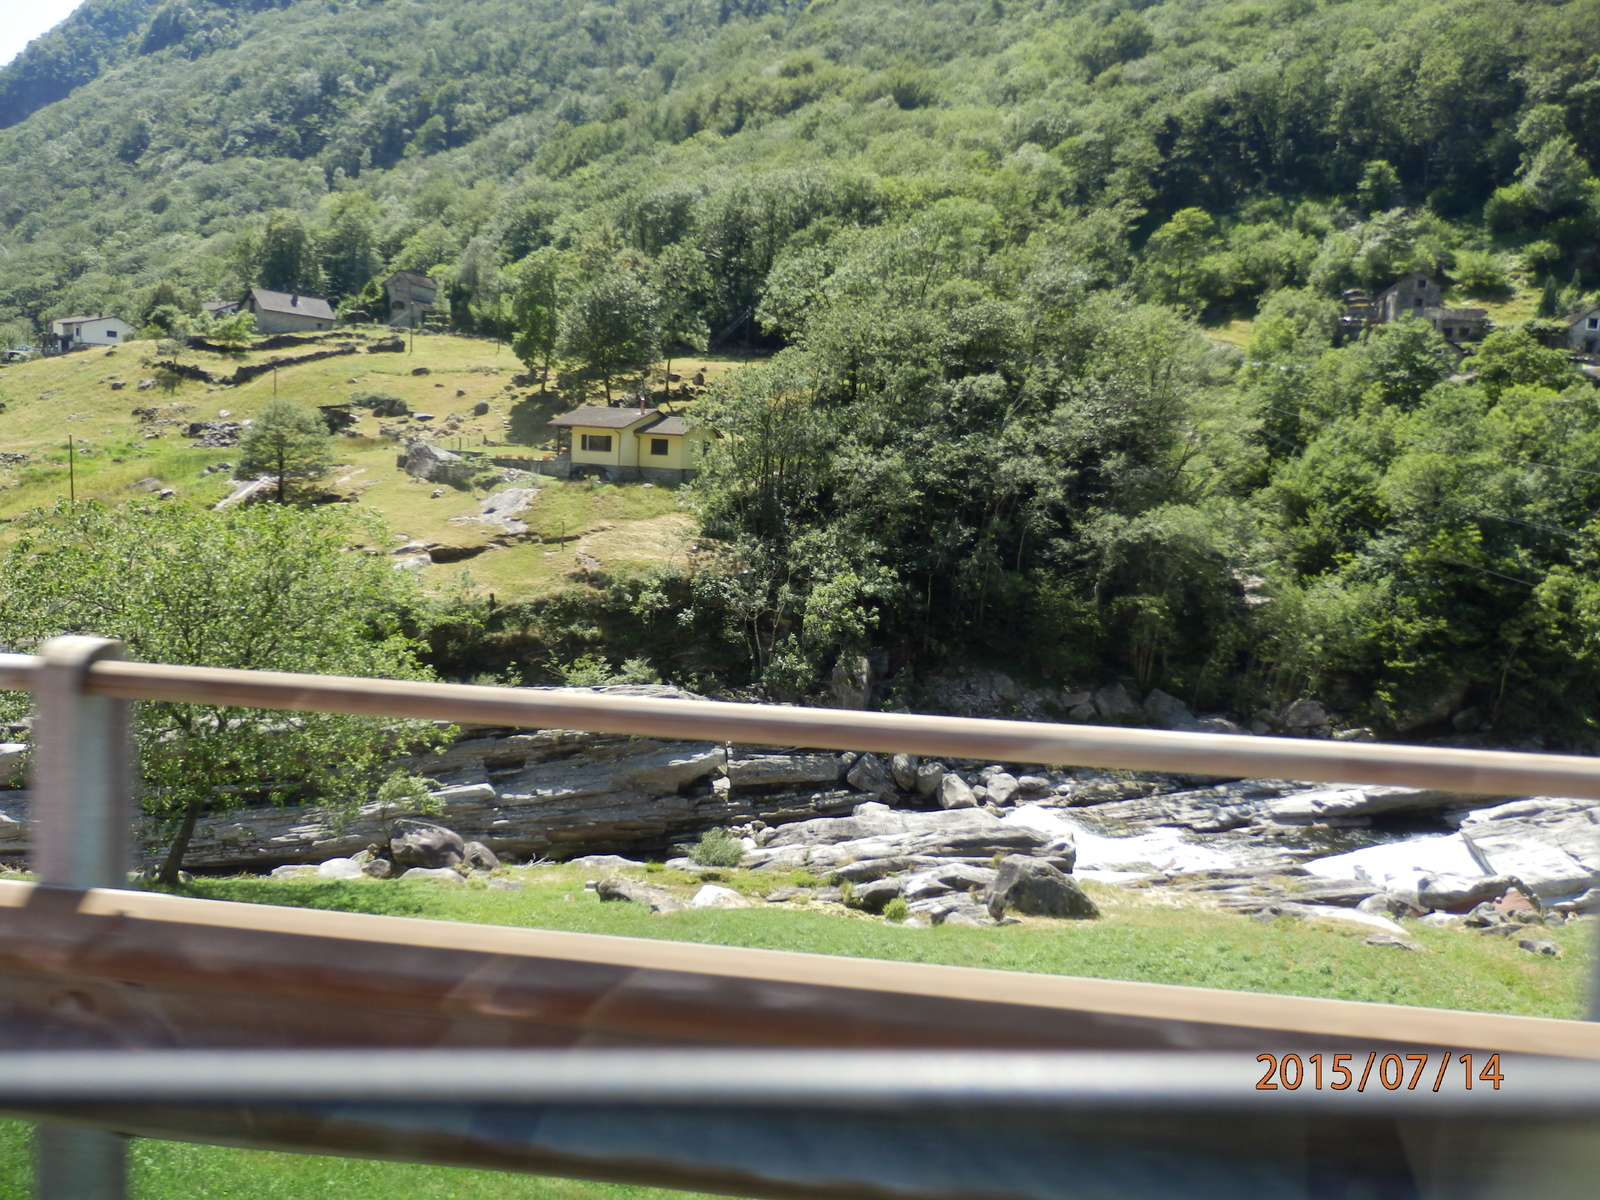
{"x": 654, "y": 899}
{"x": 954, "y": 792}
{"x": 712, "y": 896}
{"x": 1168, "y": 711}
{"x": 1304, "y": 716}
{"x": 929, "y": 776}
{"x": 1037, "y": 889}
{"x": 870, "y": 775}
{"x": 874, "y": 895}
{"x": 782, "y": 770}
{"x": 904, "y": 769}
{"x": 1551, "y": 844}
{"x": 1002, "y": 786}
{"x": 425, "y": 460}
{"x": 479, "y": 857}
{"x": 424, "y": 844}
{"x": 1113, "y": 703}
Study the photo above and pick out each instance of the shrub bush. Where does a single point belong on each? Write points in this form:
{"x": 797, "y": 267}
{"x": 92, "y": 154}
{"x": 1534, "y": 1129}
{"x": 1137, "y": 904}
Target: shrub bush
{"x": 717, "y": 848}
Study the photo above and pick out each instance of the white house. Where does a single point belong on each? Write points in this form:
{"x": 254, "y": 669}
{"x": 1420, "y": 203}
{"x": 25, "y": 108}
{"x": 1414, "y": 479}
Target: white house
{"x": 74, "y": 333}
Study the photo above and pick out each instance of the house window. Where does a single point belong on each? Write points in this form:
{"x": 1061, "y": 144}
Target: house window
{"x": 599, "y": 443}
{"x": 111, "y": 333}
{"x": 1594, "y": 322}
{"x": 658, "y": 445}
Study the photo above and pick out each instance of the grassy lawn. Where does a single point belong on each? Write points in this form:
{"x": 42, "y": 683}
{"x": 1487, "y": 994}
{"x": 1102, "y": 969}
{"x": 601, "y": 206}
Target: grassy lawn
{"x": 179, "y": 1171}
{"x": 1140, "y": 937}
{"x": 626, "y": 528}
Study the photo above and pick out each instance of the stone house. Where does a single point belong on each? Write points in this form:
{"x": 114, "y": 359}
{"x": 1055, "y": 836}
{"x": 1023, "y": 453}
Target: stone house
{"x": 411, "y": 298}
{"x": 1409, "y": 297}
{"x": 1583, "y": 332}
{"x": 76, "y": 333}
{"x": 630, "y": 443}
{"x": 1458, "y": 325}
{"x": 286, "y": 312}
{"x": 1417, "y": 295}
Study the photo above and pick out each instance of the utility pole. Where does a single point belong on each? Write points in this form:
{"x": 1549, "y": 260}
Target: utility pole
{"x": 72, "y": 472}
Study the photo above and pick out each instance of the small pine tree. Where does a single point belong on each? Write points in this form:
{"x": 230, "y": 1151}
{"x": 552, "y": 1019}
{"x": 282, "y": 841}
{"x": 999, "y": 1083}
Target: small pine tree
{"x": 289, "y": 442}
{"x": 1550, "y": 298}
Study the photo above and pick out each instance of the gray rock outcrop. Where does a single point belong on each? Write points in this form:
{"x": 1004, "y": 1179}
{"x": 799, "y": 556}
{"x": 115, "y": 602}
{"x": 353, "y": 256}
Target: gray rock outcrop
{"x": 424, "y": 844}
{"x": 1037, "y": 889}
{"x": 654, "y": 899}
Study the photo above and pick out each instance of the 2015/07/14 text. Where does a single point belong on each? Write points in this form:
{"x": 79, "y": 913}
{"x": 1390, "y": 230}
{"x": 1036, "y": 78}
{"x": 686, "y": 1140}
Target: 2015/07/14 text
{"x": 1290, "y": 1071}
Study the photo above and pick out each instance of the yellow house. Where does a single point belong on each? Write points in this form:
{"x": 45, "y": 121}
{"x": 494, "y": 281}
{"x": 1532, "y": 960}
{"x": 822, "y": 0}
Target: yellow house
{"x": 627, "y": 443}
{"x": 671, "y": 445}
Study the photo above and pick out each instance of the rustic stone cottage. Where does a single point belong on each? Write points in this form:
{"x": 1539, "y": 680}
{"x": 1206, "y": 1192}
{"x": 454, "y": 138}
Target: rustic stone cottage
{"x": 1458, "y": 325}
{"x": 1409, "y": 297}
{"x": 1420, "y": 296}
{"x": 411, "y": 300}
{"x": 286, "y": 312}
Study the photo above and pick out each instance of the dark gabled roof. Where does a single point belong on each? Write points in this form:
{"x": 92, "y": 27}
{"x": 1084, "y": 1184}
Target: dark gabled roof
{"x": 600, "y": 417}
{"x": 1578, "y": 316}
{"x": 291, "y": 303}
{"x": 669, "y": 427}
{"x": 85, "y": 320}
{"x": 415, "y": 280}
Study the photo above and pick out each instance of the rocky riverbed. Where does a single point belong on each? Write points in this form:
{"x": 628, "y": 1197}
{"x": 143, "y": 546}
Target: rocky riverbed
{"x": 935, "y": 834}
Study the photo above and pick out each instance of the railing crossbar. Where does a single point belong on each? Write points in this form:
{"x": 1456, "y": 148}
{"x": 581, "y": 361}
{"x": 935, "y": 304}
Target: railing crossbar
{"x": 1474, "y": 772}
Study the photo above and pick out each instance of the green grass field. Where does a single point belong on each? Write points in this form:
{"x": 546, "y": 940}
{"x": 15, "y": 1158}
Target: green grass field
{"x": 1140, "y": 937}
{"x": 627, "y": 528}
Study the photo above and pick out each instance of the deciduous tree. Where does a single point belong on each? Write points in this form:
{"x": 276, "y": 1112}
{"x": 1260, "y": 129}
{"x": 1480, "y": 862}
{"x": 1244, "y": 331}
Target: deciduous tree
{"x": 262, "y": 588}
{"x": 289, "y": 442}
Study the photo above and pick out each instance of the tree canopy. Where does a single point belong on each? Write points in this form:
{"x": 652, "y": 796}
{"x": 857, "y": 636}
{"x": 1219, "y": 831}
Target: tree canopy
{"x": 263, "y": 588}
{"x": 290, "y": 443}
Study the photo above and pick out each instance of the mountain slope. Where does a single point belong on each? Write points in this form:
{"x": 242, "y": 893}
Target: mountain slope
{"x": 95, "y": 37}
{"x": 558, "y": 117}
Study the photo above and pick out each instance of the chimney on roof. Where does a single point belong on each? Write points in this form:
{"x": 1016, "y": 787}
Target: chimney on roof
{"x": 641, "y": 403}
{"x": 294, "y": 300}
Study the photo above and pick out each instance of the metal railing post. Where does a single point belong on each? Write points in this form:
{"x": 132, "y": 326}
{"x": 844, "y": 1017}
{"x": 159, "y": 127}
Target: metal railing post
{"x": 82, "y": 819}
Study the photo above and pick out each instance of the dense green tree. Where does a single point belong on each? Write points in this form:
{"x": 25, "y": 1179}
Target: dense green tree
{"x": 290, "y": 443}
{"x": 287, "y": 255}
{"x": 680, "y": 279}
{"x": 348, "y": 245}
{"x": 610, "y": 330}
{"x": 1379, "y": 189}
{"x": 536, "y": 312}
{"x": 262, "y": 588}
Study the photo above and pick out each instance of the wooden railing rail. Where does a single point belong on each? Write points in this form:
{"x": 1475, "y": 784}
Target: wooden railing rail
{"x": 1480, "y": 772}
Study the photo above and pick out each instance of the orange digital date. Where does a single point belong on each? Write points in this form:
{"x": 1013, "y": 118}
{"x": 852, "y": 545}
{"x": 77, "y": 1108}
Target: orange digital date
{"x": 1290, "y": 1071}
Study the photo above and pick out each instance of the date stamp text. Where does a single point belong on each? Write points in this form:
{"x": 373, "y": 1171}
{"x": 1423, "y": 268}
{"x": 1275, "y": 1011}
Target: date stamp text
{"x": 1391, "y": 1072}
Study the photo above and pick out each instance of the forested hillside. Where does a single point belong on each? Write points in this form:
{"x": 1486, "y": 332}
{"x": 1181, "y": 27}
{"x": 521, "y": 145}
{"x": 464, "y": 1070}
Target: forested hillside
{"x": 1005, "y": 252}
